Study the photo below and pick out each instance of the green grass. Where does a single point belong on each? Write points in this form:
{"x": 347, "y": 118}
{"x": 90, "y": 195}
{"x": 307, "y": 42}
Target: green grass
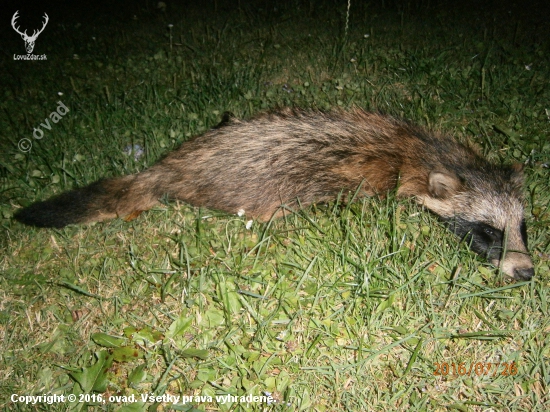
{"x": 337, "y": 307}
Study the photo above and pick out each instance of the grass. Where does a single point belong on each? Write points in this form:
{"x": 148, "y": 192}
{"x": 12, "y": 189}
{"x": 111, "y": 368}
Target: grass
{"x": 338, "y": 307}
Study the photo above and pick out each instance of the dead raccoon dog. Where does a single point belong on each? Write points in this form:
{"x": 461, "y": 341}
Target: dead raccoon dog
{"x": 296, "y": 157}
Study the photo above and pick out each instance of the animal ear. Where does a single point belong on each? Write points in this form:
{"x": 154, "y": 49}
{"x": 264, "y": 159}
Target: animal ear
{"x": 518, "y": 167}
{"x": 517, "y": 173}
{"x": 443, "y": 184}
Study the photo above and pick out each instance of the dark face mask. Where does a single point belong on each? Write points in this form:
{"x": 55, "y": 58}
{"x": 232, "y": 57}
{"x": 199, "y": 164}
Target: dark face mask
{"x": 482, "y": 238}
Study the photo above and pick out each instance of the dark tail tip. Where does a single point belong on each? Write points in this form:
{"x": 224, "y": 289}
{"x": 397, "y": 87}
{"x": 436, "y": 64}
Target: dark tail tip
{"x": 65, "y": 209}
{"x": 43, "y": 214}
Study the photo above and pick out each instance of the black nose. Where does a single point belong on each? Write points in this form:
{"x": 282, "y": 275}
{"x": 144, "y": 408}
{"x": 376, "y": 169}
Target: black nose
{"x": 524, "y": 274}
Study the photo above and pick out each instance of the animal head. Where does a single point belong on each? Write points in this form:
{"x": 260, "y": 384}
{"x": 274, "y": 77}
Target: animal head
{"x": 484, "y": 206}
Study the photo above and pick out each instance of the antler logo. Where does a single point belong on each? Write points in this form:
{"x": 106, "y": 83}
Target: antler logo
{"x": 29, "y": 40}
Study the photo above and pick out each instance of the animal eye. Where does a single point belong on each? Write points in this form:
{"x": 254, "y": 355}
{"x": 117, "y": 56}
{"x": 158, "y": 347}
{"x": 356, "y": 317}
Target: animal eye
{"x": 490, "y": 234}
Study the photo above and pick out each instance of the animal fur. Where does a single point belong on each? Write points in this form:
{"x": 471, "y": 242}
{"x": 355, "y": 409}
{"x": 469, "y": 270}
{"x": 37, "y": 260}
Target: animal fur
{"x": 294, "y": 158}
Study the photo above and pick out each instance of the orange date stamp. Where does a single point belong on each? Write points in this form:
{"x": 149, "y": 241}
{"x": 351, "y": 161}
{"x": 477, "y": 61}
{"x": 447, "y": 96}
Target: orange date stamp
{"x": 475, "y": 368}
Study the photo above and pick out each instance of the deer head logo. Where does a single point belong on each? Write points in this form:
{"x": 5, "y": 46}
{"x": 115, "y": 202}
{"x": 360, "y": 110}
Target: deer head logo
{"x": 29, "y": 40}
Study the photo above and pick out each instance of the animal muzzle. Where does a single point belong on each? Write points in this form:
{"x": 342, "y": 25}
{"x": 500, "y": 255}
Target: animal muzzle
{"x": 517, "y": 265}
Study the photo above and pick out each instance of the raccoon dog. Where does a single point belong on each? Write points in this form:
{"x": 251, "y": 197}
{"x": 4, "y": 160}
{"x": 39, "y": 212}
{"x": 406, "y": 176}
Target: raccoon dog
{"x": 295, "y": 157}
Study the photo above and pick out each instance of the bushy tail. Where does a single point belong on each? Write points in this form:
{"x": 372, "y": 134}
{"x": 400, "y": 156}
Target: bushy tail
{"x": 105, "y": 199}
